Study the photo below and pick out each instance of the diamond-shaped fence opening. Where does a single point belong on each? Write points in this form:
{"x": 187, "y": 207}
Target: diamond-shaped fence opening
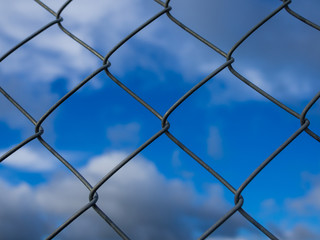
{"x": 123, "y": 171}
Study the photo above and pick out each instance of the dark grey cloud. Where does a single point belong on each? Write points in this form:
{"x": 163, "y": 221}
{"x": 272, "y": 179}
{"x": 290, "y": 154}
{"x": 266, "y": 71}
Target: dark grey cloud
{"x": 20, "y": 216}
{"x": 284, "y": 53}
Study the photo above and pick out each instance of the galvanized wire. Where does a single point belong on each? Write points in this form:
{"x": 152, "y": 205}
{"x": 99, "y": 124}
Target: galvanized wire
{"x": 164, "y": 123}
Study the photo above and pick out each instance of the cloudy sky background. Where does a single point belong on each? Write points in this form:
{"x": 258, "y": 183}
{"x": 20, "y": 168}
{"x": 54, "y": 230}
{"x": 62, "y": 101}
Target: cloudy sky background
{"x": 162, "y": 193}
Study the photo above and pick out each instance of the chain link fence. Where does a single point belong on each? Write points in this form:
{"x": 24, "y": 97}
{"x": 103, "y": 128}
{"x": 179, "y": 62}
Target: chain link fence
{"x": 164, "y": 125}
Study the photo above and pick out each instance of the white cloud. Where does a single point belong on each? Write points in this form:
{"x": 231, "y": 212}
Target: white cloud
{"x": 258, "y": 79}
{"x": 29, "y": 160}
{"x": 17, "y": 12}
{"x": 52, "y": 52}
{"x": 29, "y": 72}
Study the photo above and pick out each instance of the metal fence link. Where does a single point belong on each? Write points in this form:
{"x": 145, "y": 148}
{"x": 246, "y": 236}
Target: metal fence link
{"x": 164, "y": 124}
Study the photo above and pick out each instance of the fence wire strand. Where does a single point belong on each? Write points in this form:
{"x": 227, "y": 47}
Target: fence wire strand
{"x": 93, "y": 202}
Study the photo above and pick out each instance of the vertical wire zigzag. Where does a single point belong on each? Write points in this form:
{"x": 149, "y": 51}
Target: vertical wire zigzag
{"x": 164, "y": 123}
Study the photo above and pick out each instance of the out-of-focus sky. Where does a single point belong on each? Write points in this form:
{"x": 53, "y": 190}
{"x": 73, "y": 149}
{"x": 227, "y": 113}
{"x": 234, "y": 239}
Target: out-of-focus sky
{"x": 162, "y": 193}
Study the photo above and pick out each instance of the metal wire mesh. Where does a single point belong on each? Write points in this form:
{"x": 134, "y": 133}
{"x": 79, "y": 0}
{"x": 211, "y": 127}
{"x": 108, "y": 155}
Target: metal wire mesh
{"x": 93, "y": 202}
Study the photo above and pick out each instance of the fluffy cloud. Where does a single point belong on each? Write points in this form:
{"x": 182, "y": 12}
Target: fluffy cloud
{"x": 29, "y": 73}
{"x": 101, "y": 25}
{"x": 46, "y": 58}
{"x": 29, "y": 160}
{"x": 144, "y": 203}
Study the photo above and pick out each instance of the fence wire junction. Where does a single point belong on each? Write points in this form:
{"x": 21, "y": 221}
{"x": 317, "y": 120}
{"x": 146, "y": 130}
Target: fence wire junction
{"x": 93, "y": 202}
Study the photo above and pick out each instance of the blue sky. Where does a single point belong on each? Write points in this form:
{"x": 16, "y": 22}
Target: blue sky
{"x": 162, "y": 193}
